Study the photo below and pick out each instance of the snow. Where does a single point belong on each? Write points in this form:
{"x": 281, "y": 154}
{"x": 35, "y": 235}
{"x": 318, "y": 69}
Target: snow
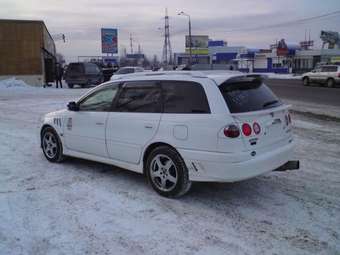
{"x": 83, "y": 207}
{"x": 281, "y": 76}
{"x": 13, "y": 83}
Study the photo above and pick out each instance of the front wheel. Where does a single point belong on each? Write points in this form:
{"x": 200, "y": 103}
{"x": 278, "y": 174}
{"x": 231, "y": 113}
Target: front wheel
{"x": 167, "y": 172}
{"x": 51, "y": 145}
{"x": 305, "y": 81}
{"x": 330, "y": 83}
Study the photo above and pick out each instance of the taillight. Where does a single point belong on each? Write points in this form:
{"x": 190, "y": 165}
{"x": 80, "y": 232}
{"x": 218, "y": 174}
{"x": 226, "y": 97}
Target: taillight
{"x": 256, "y": 128}
{"x": 246, "y": 129}
{"x": 339, "y": 75}
{"x": 231, "y": 131}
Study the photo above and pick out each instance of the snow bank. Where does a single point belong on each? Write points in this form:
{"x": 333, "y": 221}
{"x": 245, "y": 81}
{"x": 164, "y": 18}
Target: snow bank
{"x": 289, "y": 76}
{"x": 14, "y": 83}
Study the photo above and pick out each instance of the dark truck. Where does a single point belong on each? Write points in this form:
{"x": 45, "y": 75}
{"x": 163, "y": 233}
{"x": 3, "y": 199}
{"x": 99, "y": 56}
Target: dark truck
{"x": 83, "y": 74}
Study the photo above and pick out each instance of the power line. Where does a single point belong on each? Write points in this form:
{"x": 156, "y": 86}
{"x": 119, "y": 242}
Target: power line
{"x": 284, "y": 24}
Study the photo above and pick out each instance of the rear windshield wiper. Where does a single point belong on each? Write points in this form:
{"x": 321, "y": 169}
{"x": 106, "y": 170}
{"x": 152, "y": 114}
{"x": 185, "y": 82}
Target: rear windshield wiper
{"x": 270, "y": 103}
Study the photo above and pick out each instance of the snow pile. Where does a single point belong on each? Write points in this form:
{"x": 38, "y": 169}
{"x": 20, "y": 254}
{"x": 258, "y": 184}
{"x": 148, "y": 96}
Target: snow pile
{"x": 289, "y": 76}
{"x": 13, "y": 83}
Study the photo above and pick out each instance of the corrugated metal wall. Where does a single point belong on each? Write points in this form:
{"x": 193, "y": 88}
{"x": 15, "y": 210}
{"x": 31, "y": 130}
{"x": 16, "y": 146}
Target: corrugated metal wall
{"x": 20, "y": 47}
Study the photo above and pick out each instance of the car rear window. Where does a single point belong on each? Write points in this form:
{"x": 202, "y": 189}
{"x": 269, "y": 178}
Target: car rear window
{"x": 247, "y": 94}
{"x": 75, "y": 68}
{"x": 92, "y": 69}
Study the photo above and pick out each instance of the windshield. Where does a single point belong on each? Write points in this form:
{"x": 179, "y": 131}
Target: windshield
{"x": 125, "y": 71}
{"x": 248, "y": 94}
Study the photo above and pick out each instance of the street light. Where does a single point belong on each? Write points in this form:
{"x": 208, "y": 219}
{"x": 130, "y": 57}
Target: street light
{"x": 190, "y": 41}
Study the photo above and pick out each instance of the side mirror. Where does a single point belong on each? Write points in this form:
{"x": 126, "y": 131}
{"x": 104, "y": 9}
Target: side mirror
{"x": 313, "y": 71}
{"x": 72, "y": 106}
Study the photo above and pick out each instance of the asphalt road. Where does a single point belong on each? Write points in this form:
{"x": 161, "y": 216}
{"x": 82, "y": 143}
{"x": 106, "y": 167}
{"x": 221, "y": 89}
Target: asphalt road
{"x": 294, "y": 90}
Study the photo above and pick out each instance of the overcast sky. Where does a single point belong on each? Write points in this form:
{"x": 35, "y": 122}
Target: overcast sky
{"x": 81, "y": 20}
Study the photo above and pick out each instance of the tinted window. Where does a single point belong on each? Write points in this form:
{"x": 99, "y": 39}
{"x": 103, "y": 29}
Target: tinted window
{"x": 184, "y": 97}
{"x": 100, "y": 100}
{"x": 76, "y": 68}
{"x": 92, "y": 69}
{"x": 142, "y": 96}
{"x": 248, "y": 94}
{"x": 329, "y": 69}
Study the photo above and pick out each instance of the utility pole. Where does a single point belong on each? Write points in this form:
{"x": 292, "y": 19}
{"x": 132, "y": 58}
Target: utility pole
{"x": 131, "y": 46}
{"x": 190, "y": 38}
{"x": 167, "y": 51}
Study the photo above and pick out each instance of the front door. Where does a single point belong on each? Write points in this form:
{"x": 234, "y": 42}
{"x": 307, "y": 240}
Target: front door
{"x": 85, "y": 129}
{"x": 134, "y": 120}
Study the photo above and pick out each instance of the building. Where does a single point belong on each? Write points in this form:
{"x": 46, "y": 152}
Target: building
{"x": 27, "y": 51}
{"x": 277, "y": 59}
{"x": 306, "y": 60}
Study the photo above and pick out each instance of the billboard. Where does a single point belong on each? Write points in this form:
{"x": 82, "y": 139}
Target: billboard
{"x": 197, "y": 41}
{"x": 197, "y": 51}
{"x": 109, "y": 40}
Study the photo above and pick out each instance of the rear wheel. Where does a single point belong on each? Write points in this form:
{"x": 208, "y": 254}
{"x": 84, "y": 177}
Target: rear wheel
{"x": 306, "y": 81}
{"x": 167, "y": 172}
{"x": 330, "y": 83}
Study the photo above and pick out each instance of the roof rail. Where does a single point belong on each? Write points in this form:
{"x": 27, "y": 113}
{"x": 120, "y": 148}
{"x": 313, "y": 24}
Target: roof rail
{"x": 197, "y": 74}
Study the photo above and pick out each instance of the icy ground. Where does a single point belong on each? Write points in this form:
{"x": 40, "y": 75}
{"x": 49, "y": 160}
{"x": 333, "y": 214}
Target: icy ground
{"x": 82, "y": 207}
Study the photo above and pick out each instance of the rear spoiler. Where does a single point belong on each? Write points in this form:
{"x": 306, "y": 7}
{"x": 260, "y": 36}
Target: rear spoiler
{"x": 247, "y": 78}
{"x": 265, "y": 111}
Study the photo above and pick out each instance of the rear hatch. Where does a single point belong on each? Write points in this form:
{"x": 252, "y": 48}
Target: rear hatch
{"x": 264, "y": 121}
{"x": 75, "y": 71}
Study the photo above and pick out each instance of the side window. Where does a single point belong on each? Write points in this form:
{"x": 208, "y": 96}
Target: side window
{"x": 139, "y": 96}
{"x": 100, "y": 100}
{"x": 184, "y": 97}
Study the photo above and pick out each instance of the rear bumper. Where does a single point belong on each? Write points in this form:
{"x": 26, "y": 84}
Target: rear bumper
{"x": 221, "y": 167}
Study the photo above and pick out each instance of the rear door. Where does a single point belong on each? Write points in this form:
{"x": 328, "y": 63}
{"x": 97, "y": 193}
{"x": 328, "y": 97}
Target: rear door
{"x": 75, "y": 71}
{"x": 261, "y": 116}
{"x": 134, "y": 120}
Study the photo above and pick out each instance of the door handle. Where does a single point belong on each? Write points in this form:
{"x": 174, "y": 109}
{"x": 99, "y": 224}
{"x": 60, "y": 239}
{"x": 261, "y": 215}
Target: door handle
{"x": 99, "y": 123}
{"x": 148, "y": 126}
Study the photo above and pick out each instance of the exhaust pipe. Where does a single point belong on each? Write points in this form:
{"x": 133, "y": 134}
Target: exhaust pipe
{"x": 290, "y": 165}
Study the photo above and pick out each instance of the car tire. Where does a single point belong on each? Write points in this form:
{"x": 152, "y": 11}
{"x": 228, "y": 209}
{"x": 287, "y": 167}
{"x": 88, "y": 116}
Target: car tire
{"x": 167, "y": 173}
{"x": 306, "y": 81}
{"x": 330, "y": 83}
{"x": 70, "y": 85}
{"x": 51, "y": 145}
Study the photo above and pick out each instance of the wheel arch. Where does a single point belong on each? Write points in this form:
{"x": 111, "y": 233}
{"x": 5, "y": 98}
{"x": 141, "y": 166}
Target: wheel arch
{"x": 151, "y": 147}
{"x": 43, "y": 128}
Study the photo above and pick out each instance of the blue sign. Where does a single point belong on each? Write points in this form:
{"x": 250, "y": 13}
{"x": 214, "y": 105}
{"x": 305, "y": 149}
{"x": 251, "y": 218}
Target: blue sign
{"x": 109, "y": 40}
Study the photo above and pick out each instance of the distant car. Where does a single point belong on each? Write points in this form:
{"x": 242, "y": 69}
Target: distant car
{"x": 176, "y": 127}
{"x": 129, "y": 69}
{"x": 328, "y": 75}
{"x": 83, "y": 74}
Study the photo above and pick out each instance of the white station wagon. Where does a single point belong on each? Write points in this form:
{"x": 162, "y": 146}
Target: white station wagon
{"x": 176, "y": 128}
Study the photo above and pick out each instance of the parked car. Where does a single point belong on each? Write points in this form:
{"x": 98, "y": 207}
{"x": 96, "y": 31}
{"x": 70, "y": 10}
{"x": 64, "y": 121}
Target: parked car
{"x": 129, "y": 69}
{"x": 83, "y": 74}
{"x": 328, "y": 75}
{"x": 176, "y": 128}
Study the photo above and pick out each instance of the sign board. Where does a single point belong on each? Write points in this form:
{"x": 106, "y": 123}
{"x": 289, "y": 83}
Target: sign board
{"x": 335, "y": 60}
{"x": 196, "y": 51}
{"x": 109, "y": 40}
{"x": 199, "y": 44}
